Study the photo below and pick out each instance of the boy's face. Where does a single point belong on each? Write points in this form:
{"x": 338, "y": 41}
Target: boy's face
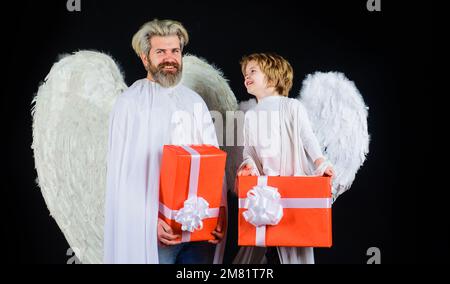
{"x": 255, "y": 80}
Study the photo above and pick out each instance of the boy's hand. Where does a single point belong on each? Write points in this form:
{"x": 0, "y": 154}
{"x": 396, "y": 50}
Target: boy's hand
{"x": 165, "y": 234}
{"x": 329, "y": 172}
{"x": 219, "y": 232}
{"x": 246, "y": 170}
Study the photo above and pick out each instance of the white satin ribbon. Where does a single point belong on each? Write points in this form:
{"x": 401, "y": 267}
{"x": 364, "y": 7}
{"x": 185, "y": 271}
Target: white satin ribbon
{"x": 190, "y": 217}
{"x": 194, "y": 171}
{"x": 171, "y": 214}
{"x": 263, "y": 204}
{"x": 260, "y": 238}
{"x": 195, "y": 208}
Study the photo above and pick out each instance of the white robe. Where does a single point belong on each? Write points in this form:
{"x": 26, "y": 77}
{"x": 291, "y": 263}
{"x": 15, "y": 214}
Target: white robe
{"x": 278, "y": 140}
{"x": 144, "y": 118}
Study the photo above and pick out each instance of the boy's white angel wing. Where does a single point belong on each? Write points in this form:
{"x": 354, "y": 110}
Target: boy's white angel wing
{"x": 338, "y": 117}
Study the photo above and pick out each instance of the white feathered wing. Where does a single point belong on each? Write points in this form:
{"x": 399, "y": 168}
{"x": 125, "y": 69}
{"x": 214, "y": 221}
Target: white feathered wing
{"x": 70, "y": 138}
{"x": 338, "y": 117}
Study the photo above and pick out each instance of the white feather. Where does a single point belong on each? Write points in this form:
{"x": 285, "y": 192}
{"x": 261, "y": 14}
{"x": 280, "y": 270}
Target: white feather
{"x": 338, "y": 116}
{"x": 209, "y": 83}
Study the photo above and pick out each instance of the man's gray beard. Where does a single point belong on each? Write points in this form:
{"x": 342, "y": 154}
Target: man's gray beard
{"x": 168, "y": 79}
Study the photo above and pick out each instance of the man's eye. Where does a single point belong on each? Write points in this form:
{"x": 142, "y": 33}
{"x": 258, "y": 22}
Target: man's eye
{"x": 158, "y": 51}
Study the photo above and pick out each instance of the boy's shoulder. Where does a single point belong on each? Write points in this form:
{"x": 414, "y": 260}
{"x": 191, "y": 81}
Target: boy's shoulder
{"x": 294, "y": 106}
{"x": 293, "y": 102}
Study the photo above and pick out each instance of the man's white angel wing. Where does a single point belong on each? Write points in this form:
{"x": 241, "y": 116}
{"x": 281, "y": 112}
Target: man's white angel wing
{"x": 70, "y": 139}
{"x": 338, "y": 117}
{"x": 211, "y": 85}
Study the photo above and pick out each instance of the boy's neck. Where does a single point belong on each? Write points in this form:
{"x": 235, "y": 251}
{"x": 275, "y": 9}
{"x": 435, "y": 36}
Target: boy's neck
{"x": 266, "y": 94}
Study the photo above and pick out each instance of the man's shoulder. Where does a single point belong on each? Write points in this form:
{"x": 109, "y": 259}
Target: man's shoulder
{"x": 131, "y": 94}
{"x": 193, "y": 95}
{"x": 128, "y": 97}
{"x": 134, "y": 89}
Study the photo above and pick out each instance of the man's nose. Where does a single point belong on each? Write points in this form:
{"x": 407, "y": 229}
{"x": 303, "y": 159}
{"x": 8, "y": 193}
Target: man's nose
{"x": 170, "y": 58}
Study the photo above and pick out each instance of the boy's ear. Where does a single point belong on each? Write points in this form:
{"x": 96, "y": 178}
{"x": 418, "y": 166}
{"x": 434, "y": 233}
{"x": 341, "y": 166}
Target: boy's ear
{"x": 269, "y": 82}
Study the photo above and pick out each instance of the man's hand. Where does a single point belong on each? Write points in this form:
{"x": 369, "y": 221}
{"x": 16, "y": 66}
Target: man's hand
{"x": 166, "y": 235}
{"x": 219, "y": 232}
{"x": 246, "y": 170}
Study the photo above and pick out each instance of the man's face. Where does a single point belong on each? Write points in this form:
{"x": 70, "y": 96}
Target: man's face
{"x": 164, "y": 61}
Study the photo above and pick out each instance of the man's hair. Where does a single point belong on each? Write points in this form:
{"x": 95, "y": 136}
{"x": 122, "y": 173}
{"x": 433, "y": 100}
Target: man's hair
{"x": 141, "y": 39}
{"x": 278, "y": 71}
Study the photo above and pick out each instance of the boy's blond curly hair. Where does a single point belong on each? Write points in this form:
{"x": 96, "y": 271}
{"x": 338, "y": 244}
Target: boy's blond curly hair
{"x": 278, "y": 71}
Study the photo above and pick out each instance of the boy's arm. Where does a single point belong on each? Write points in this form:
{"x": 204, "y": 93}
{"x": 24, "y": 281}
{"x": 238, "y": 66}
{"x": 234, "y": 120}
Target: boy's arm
{"x": 312, "y": 146}
{"x": 248, "y": 165}
{"x": 308, "y": 137}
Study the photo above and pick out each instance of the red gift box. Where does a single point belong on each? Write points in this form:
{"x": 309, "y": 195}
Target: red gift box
{"x": 191, "y": 175}
{"x": 305, "y": 205}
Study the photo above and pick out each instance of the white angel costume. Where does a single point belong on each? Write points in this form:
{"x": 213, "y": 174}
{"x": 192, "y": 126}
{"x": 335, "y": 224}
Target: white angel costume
{"x": 146, "y": 117}
{"x": 293, "y": 146}
{"x": 71, "y": 115}
{"x": 291, "y": 151}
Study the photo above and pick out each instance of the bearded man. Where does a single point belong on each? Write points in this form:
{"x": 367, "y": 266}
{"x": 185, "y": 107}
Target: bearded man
{"x": 154, "y": 111}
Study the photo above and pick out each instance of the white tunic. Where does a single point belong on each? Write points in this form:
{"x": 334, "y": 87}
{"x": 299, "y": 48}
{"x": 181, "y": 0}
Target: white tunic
{"x": 262, "y": 130}
{"x": 262, "y": 133}
{"x": 144, "y": 118}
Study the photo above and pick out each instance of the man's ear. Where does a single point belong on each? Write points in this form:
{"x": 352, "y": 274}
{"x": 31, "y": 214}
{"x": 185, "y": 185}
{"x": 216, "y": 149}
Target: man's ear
{"x": 143, "y": 57}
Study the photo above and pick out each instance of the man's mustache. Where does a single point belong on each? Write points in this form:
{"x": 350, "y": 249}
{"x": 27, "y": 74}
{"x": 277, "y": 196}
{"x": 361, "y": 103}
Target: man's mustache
{"x": 172, "y": 64}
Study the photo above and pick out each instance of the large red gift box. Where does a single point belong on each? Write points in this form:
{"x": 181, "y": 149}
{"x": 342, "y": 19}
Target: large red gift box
{"x": 194, "y": 171}
{"x": 306, "y": 211}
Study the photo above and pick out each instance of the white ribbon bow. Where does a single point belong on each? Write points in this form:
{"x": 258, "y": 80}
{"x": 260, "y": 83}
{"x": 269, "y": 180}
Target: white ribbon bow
{"x": 190, "y": 217}
{"x": 264, "y": 206}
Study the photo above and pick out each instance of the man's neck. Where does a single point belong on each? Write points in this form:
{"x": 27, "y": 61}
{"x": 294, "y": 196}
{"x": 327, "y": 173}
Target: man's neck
{"x": 150, "y": 77}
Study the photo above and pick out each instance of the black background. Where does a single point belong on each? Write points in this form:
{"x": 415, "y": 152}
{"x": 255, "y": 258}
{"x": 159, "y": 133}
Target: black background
{"x": 385, "y": 53}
